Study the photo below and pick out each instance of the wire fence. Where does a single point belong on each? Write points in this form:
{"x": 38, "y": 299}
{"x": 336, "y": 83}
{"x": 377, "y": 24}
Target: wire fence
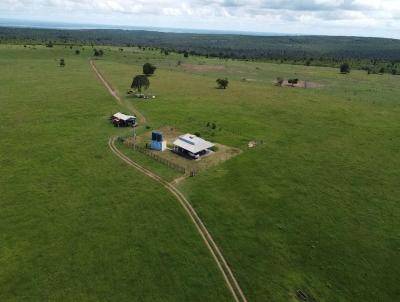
{"x": 160, "y": 159}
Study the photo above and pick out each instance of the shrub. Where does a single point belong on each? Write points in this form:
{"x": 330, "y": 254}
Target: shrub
{"x": 222, "y": 83}
{"x": 345, "y": 68}
{"x": 293, "y": 81}
{"x": 98, "y": 53}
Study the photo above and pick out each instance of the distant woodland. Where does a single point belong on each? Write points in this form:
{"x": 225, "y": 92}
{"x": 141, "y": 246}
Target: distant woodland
{"x": 363, "y": 53}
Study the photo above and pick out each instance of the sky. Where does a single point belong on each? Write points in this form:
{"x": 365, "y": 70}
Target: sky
{"x": 378, "y": 18}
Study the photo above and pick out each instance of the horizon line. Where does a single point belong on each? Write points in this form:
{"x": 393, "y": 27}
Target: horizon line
{"x": 63, "y": 25}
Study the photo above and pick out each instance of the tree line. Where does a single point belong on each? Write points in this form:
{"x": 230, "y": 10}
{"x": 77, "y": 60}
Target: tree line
{"x": 360, "y": 53}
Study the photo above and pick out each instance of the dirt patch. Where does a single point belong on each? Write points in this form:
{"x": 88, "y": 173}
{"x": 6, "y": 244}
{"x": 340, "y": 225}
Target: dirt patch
{"x": 301, "y": 84}
{"x": 202, "y": 68}
{"x": 220, "y": 154}
{"x": 248, "y": 80}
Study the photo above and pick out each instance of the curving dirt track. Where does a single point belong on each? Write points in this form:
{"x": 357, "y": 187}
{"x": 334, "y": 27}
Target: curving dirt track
{"x": 223, "y": 266}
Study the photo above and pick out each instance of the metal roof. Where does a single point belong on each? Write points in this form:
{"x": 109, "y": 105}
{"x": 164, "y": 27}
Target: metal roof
{"x": 123, "y": 117}
{"x": 192, "y": 143}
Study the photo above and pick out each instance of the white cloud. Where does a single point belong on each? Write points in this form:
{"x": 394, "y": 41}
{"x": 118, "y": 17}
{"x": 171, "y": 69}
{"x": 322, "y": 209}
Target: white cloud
{"x": 356, "y": 17}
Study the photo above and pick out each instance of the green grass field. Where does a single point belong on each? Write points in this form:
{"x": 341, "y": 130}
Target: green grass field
{"x": 315, "y": 207}
{"x": 76, "y": 224}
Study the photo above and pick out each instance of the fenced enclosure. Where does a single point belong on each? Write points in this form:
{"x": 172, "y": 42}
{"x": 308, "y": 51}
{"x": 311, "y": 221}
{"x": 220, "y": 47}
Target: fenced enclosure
{"x": 160, "y": 159}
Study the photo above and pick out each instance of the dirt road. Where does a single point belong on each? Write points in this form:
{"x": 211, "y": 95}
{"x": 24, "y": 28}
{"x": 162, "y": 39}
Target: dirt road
{"x": 223, "y": 266}
{"x": 114, "y": 93}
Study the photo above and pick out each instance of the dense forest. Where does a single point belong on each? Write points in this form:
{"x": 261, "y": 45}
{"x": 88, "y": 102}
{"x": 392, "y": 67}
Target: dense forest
{"x": 367, "y": 53}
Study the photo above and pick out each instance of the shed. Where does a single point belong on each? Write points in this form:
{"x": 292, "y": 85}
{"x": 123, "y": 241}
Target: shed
{"x": 192, "y": 145}
{"x": 122, "y": 120}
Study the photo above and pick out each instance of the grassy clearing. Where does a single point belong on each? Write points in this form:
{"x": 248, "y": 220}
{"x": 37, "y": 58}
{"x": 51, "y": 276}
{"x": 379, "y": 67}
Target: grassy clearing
{"x": 76, "y": 224}
{"x": 316, "y": 206}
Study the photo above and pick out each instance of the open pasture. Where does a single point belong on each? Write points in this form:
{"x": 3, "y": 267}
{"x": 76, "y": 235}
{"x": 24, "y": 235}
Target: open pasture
{"x": 315, "y": 207}
{"x": 75, "y": 223}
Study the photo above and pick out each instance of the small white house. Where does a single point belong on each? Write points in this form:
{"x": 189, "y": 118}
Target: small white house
{"x": 192, "y": 145}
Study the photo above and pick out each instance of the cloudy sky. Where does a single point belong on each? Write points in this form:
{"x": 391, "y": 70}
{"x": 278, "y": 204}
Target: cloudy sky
{"x": 332, "y": 17}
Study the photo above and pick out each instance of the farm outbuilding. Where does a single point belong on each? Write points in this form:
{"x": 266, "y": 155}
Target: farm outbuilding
{"x": 122, "y": 120}
{"x": 192, "y": 145}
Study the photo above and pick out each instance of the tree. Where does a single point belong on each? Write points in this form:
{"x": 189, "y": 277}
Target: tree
{"x": 62, "y": 63}
{"x": 49, "y": 44}
{"x": 279, "y": 81}
{"x": 98, "y": 53}
{"x": 139, "y": 82}
{"x": 368, "y": 69}
{"x": 148, "y": 69}
{"x": 345, "y": 68}
{"x": 293, "y": 81}
{"x": 77, "y": 52}
{"x": 382, "y": 70}
{"x": 222, "y": 83}
{"x": 394, "y": 71}
{"x": 185, "y": 54}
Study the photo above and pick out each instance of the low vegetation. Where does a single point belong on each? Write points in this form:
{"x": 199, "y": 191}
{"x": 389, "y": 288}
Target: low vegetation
{"x": 98, "y": 52}
{"x": 310, "y": 210}
{"x": 222, "y": 83}
{"x": 293, "y": 81}
{"x": 345, "y": 68}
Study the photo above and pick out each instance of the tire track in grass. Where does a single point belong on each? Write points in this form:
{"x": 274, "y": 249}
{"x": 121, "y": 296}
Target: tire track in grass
{"x": 114, "y": 93}
{"x": 222, "y": 265}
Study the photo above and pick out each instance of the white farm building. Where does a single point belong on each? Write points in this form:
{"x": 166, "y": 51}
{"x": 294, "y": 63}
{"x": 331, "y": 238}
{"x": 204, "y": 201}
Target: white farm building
{"x": 192, "y": 145}
{"x": 122, "y": 120}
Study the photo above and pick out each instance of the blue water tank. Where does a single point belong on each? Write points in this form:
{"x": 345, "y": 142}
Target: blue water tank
{"x": 157, "y": 141}
{"x": 156, "y": 136}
